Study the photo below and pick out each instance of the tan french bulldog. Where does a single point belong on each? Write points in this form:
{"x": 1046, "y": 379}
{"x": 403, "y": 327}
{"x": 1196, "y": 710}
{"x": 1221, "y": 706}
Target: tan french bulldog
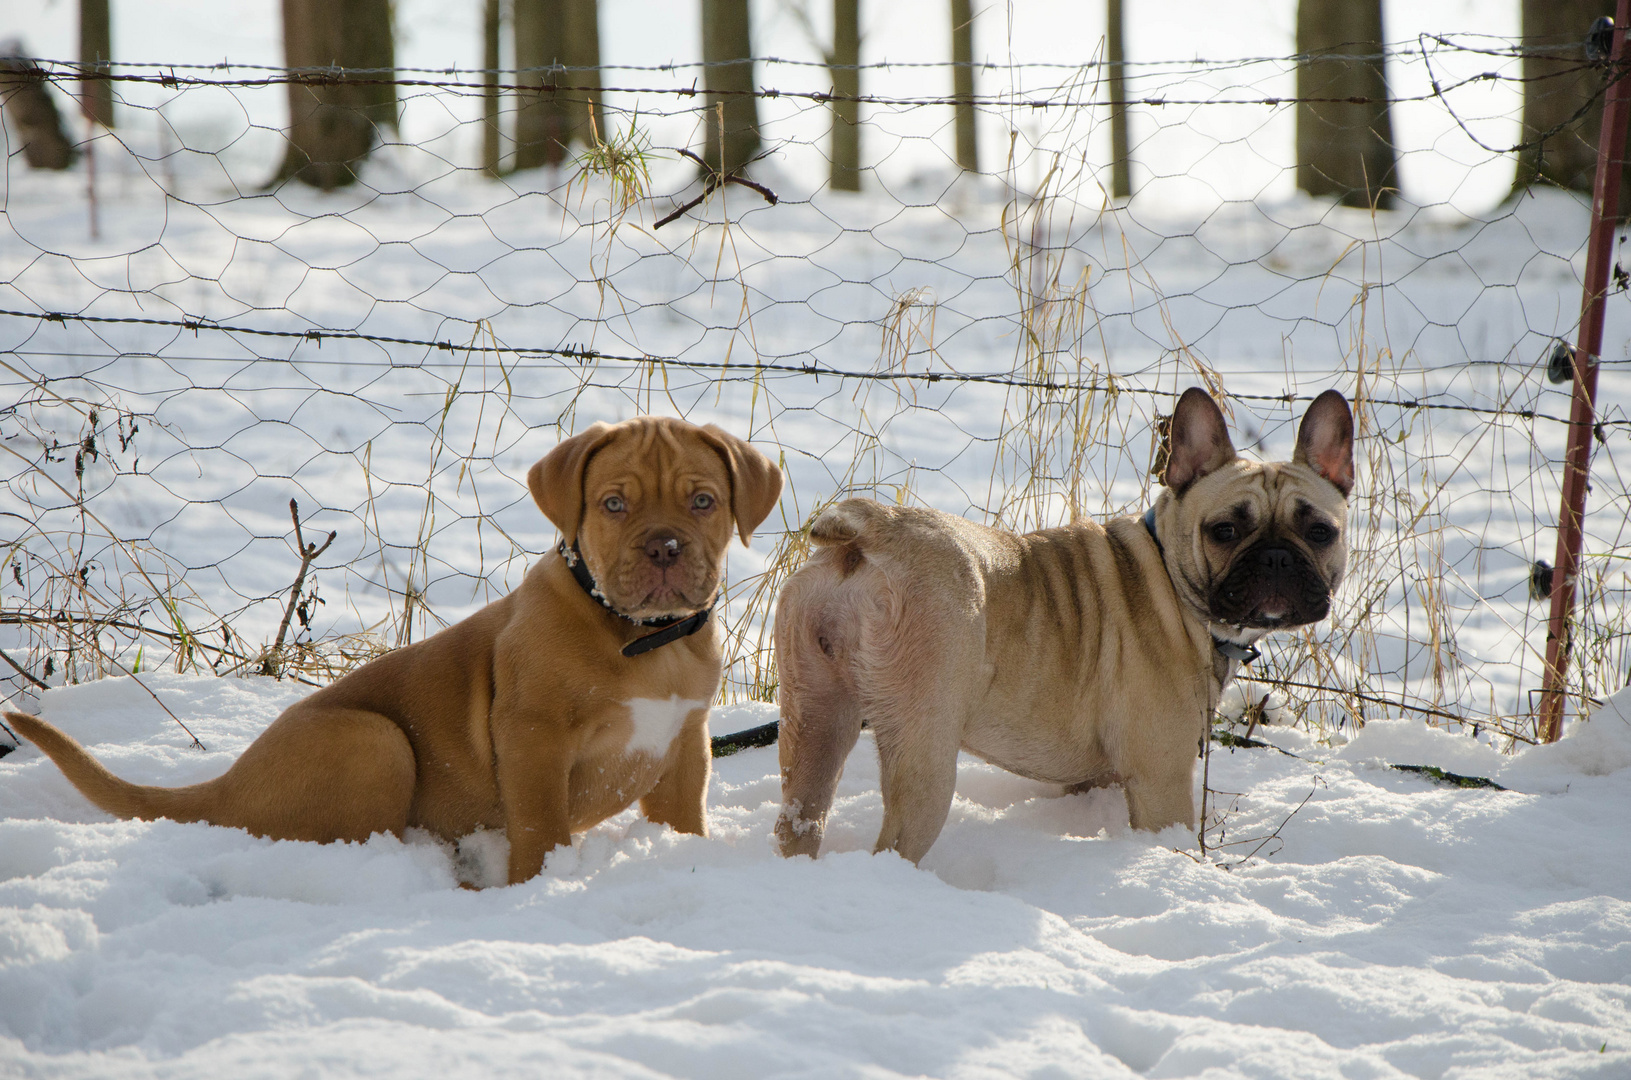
{"x": 1084, "y": 655}
{"x": 542, "y": 714}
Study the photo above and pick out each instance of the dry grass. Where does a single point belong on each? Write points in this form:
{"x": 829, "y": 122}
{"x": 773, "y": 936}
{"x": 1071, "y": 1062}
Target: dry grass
{"x": 87, "y": 603}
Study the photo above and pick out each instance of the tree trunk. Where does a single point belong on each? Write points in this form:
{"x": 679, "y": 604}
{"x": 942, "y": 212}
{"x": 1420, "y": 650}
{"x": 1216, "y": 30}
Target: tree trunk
{"x": 586, "y": 120}
{"x": 564, "y": 34}
{"x": 367, "y": 42}
{"x": 1344, "y": 148}
{"x": 843, "y": 65}
{"x": 1115, "y": 53}
{"x": 540, "y": 118}
{"x": 332, "y": 126}
{"x": 962, "y": 83}
{"x": 731, "y": 123}
{"x": 95, "y": 50}
{"x": 1556, "y": 83}
{"x": 492, "y": 23}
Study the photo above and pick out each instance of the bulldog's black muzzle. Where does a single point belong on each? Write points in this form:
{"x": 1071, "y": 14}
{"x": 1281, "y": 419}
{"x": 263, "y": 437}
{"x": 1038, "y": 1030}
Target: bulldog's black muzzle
{"x": 1271, "y": 586}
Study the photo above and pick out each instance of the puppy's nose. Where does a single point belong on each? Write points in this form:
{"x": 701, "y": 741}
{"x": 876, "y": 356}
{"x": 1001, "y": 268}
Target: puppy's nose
{"x": 664, "y": 551}
{"x": 1275, "y": 560}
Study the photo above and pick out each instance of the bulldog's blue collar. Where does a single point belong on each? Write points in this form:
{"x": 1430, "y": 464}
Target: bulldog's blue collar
{"x": 1229, "y": 650}
{"x": 1149, "y": 527}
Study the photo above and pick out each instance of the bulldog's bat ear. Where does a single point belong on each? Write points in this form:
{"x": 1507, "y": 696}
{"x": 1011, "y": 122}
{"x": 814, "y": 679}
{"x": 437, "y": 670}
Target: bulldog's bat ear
{"x": 1325, "y": 441}
{"x": 1199, "y": 440}
{"x": 756, "y": 482}
{"x": 556, "y": 482}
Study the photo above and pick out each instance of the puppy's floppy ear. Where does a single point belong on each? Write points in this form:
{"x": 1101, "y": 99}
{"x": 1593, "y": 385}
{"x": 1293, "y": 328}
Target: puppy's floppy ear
{"x": 1325, "y": 440}
{"x": 756, "y": 482}
{"x": 556, "y": 481}
{"x": 1199, "y": 440}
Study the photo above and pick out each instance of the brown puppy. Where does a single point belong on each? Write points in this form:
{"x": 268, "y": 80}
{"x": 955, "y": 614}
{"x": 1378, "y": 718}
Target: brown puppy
{"x": 539, "y": 714}
{"x": 1083, "y": 655}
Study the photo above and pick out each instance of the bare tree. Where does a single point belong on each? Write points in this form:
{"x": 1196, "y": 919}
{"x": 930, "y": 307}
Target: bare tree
{"x": 1557, "y": 85}
{"x": 1345, "y": 135}
{"x": 368, "y": 43}
{"x": 731, "y": 125}
{"x": 843, "y": 63}
{"x": 962, "y": 83}
{"x": 540, "y": 120}
{"x": 1115, "y": 54}
{"x": 565, "y": 35}
{"x": 95, "y": 50}
{"x": 492, "y": 24}
{"x": 334, "y": 124}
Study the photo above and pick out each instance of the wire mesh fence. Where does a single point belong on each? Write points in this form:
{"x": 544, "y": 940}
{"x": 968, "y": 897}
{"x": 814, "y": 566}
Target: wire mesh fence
{"x": 194, "y": 349}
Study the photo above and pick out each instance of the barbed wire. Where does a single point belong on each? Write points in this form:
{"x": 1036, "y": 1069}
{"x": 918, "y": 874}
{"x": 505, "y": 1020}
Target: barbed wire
{"x": 1510, "y": 48}
{"x": 582, "y": 353}
{"x": 329, "y": 77}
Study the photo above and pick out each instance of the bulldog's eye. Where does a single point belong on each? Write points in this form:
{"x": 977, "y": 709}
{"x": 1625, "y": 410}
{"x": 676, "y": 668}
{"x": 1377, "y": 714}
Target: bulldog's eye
{"x": 1320, "y": 533}
{"x": 701, "y": 501}
{"x": 614, "y": 504}
{"x": 1224, "y": 532}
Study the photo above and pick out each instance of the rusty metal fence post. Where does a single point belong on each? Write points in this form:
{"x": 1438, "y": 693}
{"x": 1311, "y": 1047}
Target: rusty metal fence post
{"x": 1582, "y": 414}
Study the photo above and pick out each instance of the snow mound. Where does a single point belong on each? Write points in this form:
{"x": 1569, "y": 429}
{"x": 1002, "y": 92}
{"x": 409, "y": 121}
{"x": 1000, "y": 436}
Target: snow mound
{"x": 1597, "y": 746}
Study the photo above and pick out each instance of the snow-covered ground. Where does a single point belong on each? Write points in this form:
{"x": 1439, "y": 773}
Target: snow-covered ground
{"x": 1393, "y": 929}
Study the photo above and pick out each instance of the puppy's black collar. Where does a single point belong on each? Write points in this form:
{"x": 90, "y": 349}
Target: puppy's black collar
{"x": 669, "y": 627}
{"x": 1229, "y": 650}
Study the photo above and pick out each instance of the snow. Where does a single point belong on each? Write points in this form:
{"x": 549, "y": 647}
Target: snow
{"x": 1395, "y": 928}
{"x": 1357, "y": 921}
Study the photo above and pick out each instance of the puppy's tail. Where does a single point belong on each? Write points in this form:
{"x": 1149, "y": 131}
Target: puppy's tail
{"x": 118, "y": 797}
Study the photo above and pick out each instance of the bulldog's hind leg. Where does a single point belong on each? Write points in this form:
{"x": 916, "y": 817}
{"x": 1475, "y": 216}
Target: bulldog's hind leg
{"x": 917, "y": 768}
{"x": 820, "y": 709}
{"x": 917, "y": 674}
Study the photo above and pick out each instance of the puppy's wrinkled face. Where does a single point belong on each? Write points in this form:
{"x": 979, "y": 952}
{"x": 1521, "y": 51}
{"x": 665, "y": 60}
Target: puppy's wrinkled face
{"x": 657, "y": 519}
{"x": 1267, "y": 542}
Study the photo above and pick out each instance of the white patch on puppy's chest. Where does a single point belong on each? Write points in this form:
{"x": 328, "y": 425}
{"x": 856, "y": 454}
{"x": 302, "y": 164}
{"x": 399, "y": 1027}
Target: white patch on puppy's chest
{"x": 656, "y": 723}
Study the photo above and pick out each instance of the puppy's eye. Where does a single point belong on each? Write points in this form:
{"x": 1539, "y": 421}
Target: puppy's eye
{"x": 1320, "y": 533}
{"x": 1224, "y": 532}
{"x": 614, "y": 504}
{"x": 701, "y": 501}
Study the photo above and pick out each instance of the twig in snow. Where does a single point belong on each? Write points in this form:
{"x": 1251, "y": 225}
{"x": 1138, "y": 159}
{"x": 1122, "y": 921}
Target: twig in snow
{"x": 1206, "y": 789}
{"x": 308, "y": 555}
{"x": 1275, "y": 835}
{"x": 24, "y": 672}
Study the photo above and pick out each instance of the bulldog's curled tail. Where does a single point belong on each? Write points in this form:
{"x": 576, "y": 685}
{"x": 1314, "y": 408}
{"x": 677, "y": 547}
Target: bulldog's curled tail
{"x": 855, "y": 532}
{"x": 846, "y": 522}
{"x": 118, "y": 797}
